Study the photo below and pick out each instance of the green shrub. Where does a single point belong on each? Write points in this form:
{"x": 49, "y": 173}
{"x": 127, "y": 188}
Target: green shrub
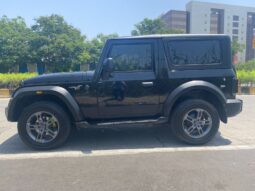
{"x": 246, "y": 77}
{"x": 248, "y": 66}
{"x": 12, "y": 80}
{"x": 246, "y": 72}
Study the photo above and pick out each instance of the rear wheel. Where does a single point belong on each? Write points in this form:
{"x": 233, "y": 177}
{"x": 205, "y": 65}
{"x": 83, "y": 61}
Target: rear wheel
{"x": 195, "y": 121}
{"x": 44, "y": 125}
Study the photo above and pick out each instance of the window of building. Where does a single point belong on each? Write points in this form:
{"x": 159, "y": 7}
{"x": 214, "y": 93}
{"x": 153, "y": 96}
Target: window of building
{"x": 235, "y": 18}
{"x": 235, "y": 24}
{"x": 235, "y": 38}
{"x": 235, "y": 31}
{"x": 132, "y": 57}
{"x": 194, "y": 52}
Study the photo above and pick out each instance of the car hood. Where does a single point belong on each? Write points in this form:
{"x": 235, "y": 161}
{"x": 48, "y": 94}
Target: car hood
{"x": 59, "y": 78}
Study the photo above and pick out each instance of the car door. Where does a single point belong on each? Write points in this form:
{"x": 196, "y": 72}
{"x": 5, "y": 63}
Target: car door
{"x": 131, "y": 91}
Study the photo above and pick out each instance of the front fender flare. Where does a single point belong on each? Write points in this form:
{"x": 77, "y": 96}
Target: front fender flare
{"x": 57, "y": 91}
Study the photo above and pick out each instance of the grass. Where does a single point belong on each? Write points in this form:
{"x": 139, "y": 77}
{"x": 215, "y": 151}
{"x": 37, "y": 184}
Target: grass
{"x": 12, "y": 80}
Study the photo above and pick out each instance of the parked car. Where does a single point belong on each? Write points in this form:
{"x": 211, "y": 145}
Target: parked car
{"x": 185, "y": 81}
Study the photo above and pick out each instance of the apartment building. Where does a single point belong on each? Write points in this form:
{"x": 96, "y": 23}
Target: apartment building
{"x": 177, "y": 20}
{"x": 213, "y": 18}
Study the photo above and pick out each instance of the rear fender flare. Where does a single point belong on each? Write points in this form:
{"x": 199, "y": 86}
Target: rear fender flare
{"x": 189, "y": 86}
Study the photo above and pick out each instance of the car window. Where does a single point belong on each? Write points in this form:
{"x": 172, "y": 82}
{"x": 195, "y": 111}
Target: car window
{"x": 191, "y": 52}
{"x": 131, "y": 57}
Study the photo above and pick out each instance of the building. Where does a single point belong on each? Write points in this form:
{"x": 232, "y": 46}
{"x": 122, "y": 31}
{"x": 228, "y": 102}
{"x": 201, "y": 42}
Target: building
{"x": 212, "y": 18}
{"x": 236, "y": 21}
{"x": 176, "y": 20}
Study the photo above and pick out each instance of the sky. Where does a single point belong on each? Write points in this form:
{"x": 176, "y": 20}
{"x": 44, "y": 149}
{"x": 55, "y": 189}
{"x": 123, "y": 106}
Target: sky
{"x": 99, "y": 16}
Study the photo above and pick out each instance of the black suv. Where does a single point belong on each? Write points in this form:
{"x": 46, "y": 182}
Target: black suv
{"x": 185, "y": 81}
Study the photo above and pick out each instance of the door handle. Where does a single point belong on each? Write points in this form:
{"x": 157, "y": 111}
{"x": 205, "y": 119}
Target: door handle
{"x": 147, "y": 84}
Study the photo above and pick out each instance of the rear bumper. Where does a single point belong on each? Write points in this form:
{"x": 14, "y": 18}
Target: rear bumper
{"x": 233, "y": 107}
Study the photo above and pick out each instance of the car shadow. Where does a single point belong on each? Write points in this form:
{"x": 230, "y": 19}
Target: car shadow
{"x": 88, "y": 140}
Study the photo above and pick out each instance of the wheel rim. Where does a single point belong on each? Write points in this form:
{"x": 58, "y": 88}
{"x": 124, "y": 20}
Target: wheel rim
{"x": 42, "y": 127}
{"x": 197, "y": 123}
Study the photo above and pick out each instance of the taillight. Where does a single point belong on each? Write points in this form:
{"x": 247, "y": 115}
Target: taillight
{"x": 235, "y": 84}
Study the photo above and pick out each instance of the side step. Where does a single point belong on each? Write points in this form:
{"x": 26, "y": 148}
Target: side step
{"x": 85, "y": 124}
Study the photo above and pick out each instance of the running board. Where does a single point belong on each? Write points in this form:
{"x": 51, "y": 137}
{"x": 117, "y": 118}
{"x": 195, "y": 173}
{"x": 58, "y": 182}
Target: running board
{"x": 85, "y": 124}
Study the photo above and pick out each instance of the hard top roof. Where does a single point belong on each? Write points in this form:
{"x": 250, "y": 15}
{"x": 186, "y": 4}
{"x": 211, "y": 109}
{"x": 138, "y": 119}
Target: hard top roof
{"x": 172, "y": 36}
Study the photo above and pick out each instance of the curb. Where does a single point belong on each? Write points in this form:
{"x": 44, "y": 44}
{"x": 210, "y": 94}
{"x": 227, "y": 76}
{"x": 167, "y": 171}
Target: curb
{"x": 5, "y": 93}
{"x": 246, "y": 90}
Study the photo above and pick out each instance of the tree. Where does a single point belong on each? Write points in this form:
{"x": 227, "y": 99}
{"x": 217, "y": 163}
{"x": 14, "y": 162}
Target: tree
{"x": 58, "y": 45}
{"x": 95, "y": 47}
{"x": 236, "y": 47}
{"x": 152, "y": 26}
{"x": 14, "y": 43}
{"x": 50, "y": 43}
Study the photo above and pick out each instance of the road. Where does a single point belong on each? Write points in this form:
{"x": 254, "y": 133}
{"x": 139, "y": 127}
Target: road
{"x": 144, "y": 158}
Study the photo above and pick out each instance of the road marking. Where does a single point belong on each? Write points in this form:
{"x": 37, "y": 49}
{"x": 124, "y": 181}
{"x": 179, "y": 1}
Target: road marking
{"x": 75, "y": 154}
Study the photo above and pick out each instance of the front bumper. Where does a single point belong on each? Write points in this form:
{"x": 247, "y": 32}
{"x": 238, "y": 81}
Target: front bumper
{"x": 233, "y": 107}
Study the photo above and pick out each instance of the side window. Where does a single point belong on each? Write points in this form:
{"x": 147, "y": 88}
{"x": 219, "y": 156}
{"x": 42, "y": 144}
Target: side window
{"x": 194, "y": 52}
{"x": 131, "y": 57}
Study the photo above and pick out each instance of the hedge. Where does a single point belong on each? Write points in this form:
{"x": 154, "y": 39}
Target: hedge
{"x": 12, "y": 80}
{"x": 246, "y": 77}
{"x": 248, "y": 66}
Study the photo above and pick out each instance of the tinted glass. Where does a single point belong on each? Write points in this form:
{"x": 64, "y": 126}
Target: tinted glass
{"x": 199, "y": 52}
{"x": 131, "y": 57}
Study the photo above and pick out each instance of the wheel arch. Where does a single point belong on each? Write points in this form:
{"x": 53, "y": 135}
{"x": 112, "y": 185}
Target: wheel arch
{"x": 28, "y": 95}
{"x": 194, "y": 90}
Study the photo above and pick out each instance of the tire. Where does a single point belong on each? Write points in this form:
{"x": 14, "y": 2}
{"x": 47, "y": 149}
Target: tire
{"x": 46, "y": 120}
{"x": 195, "y": 122}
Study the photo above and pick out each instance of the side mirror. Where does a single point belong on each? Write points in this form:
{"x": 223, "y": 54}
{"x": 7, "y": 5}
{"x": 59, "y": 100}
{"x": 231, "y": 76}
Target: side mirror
{"x": 108, "y": 68}
{"x": 108, "y": 65}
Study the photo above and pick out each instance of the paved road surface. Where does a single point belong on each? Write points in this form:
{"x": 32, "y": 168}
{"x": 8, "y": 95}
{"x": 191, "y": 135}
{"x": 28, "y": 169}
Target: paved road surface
{"x": 133, "y": 159}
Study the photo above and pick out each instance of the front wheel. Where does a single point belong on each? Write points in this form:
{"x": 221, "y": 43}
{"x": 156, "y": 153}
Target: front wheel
{"x": 44, "y": 125}
{"x": 195, "y": 121}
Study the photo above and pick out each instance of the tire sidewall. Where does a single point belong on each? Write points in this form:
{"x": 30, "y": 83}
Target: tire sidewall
{"x": 54, "y": 109}
{"x": 182, "y": 110}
